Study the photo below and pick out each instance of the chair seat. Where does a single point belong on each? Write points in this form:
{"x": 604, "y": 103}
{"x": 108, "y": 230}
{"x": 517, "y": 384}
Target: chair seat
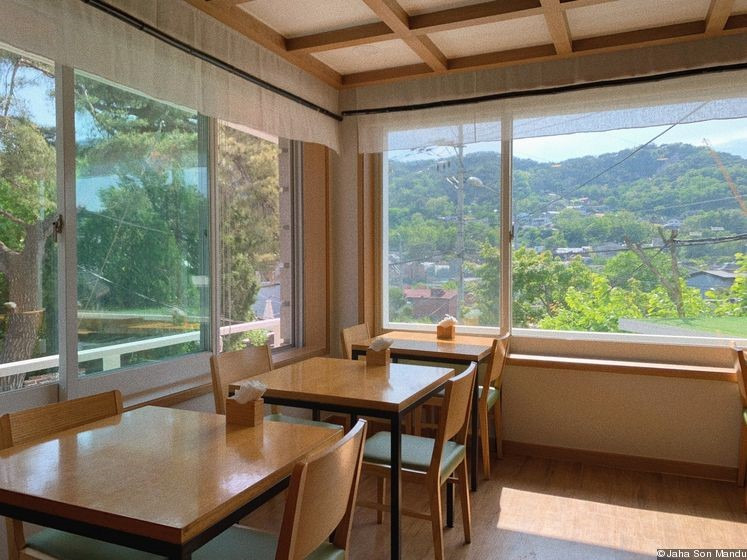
{"x": 241, "y": 543}
{"x": 493, "y": 395}
{"x": 296, "y": 420}
{"x": 67, "y": 546}
{"x": 416, "y": 452}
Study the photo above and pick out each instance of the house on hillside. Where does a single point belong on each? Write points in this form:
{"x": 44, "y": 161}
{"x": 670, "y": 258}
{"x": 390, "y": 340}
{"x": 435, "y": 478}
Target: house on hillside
{"x": 706, "y": 280}
{"x": 432, "y": 303}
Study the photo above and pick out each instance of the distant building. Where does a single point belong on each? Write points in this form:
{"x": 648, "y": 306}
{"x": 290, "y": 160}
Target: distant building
{"x": 706, "y": 280}
{"x": 432, "y": 303}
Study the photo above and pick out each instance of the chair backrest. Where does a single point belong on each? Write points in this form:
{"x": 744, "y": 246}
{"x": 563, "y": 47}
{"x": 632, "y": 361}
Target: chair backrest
{"x": 25, "y": 426}
{"x": 321, "y": 498}
{"x": 494, "y": 374}
{"x": 741, "y": 366}
{"x": 228, "y": 367}
{"x": 353, "y": 334}
{"x": 455, "y": 412}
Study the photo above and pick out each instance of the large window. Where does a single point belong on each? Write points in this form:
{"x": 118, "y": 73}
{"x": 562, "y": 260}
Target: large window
{"x": 625, "y": 221}
{"x": 640, "y": 230}
{"x": 442, "y": 233}
{"x": 150, "y": 181}
{"x": 143, "y": 290}
{"x": 28, "y": 208}
{"x": 257, "y": 239}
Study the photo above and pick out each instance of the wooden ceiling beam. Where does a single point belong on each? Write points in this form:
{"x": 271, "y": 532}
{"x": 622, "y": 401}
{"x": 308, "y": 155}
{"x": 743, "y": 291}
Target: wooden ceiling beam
{"x": 476, "y": 14}
{"x": 251, "y": 28}
{"x": 557, "y": 24}
{"x": 398, "y": 21}
{"x": 641, "y": 37}
{"x": 386, "y": 75}
{"x": 718, "y": 13}
{"x": 348, "y": 37}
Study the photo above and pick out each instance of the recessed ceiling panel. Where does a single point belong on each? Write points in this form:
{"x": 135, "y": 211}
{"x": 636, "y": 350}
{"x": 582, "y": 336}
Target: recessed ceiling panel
{"x": 386, "y": 54}
{"x": 417, "y": 7}
{"x": 628, "y": 15}
{"x": 740, "y": 7}
{"x": 493, "y": 37}
{"x": 294, "y": 18}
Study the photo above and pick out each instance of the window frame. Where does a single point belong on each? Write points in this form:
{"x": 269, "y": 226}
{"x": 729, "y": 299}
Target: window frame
{"x": 595, "y": 344}
{"x": 142, "y": 383}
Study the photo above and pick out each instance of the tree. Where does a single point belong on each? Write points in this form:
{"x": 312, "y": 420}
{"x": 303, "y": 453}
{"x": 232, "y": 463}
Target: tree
{"x": 27, "y": 207}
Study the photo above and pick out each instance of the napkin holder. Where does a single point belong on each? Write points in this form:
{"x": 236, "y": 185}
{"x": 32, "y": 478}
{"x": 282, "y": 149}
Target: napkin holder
{"x": 445, "y": 333}
{"x": 378, "y": 357}
{"x": 249, "y": 414}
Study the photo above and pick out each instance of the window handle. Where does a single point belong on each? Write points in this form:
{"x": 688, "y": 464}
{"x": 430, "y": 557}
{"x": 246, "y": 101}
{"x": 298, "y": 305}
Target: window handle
{"x": 57, "y": 226}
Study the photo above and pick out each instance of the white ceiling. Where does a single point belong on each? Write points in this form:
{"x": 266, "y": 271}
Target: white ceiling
{"x": 629, "y": 15}
{"x": 740, "y": 6}
{"x": 491, "y": 37}
{"x": 385, "y": 54}
{"x": 294, "y": 18}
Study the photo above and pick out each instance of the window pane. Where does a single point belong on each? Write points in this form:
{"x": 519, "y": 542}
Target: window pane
{"x": 441, "y": 234}
{"x": 142, "y": 229}
{"x": 256, "y": 239}
{"x": 640, "y": 230}
{"x": 28, "y": 205}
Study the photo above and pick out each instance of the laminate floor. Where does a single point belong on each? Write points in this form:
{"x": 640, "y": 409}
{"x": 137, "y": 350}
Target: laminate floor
{"x": 544, "y": 509}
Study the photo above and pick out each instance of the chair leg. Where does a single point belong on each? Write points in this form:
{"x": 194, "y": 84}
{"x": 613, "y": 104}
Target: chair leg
{"x": 380, "y": 497}
{"x": 485, "y": 443}
{"x": 742, "y": 461}
{"x": 462, "y": 475}
{"x": 498, "y": 423}
{"x": 437, "y": 522}
{"x": 450, "y": 505}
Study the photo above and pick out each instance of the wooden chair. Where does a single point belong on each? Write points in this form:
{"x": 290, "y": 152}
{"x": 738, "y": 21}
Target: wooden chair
{"x": 321, "y": 499}
{"x": 489, "y": 400}
{"x": 741, "y": 367}
{"x": 26, "y": 426}
{"x": 431, "y": 461}
{"x": 229, "y": 367}
{"x": 351, "y": 335}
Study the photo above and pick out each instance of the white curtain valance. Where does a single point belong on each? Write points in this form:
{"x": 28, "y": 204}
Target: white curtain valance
{"x": 72, "y": 33}
{"x": 683, "y": 100}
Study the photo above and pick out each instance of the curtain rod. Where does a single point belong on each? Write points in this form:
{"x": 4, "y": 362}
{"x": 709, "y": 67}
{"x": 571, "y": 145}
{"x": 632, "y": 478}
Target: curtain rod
{"x": 205, "y": 57}
{"x": 547, "y": 91}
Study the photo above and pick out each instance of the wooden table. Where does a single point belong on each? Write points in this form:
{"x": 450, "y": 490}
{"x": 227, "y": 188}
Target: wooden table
{"x": 350, "y": 387}
{"x": 425, "y": 346}
{"x": 156, "y": 479}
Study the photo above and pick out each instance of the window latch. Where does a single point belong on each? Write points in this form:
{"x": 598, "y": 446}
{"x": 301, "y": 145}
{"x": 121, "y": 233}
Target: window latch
{"x": 57, "y": 226}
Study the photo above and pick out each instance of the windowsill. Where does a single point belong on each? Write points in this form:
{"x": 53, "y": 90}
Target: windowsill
{"x": 620, "y": 354}
{"x": 627, "y": 367}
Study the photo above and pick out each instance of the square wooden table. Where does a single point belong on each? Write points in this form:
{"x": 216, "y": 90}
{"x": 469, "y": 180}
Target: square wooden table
{"x": 157, "y": 479}
{"x": 462, "y": 350}
{"x": 353, "y": 388}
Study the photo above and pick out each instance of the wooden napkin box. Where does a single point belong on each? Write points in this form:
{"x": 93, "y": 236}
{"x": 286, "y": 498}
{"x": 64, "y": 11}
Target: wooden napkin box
{"x": 445, "y": 333}
{"x": 378, "y": 358}
{"x": 250, "y": 414}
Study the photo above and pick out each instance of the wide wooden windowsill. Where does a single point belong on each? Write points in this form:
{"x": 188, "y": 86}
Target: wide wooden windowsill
{"x": 620, "y": 366}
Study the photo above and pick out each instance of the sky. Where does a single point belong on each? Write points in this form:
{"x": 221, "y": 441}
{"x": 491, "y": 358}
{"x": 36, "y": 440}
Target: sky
{"x": 728, "y": 136}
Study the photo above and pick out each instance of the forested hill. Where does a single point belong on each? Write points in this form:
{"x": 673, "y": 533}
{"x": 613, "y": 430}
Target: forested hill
{"x": 657, "y": 183}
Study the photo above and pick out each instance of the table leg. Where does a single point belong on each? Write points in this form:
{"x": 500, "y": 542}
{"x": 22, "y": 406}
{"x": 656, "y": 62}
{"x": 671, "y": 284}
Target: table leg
{"x": 474, "y": 439}
{"x": 395, "y": 486}
{"x": 449, "y": 504}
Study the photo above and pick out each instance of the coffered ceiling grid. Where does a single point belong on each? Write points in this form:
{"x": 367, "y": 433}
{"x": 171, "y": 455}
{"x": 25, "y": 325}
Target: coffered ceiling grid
{"x": 348, "y": 43}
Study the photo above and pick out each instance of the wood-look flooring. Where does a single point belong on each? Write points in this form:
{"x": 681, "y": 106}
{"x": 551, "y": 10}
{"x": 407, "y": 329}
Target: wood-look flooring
{"x": 536, "y": 509}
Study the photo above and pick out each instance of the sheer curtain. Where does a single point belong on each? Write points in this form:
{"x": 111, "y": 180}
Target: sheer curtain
{"x": 74, "y": 34}
{"x": 689, "y": 99}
